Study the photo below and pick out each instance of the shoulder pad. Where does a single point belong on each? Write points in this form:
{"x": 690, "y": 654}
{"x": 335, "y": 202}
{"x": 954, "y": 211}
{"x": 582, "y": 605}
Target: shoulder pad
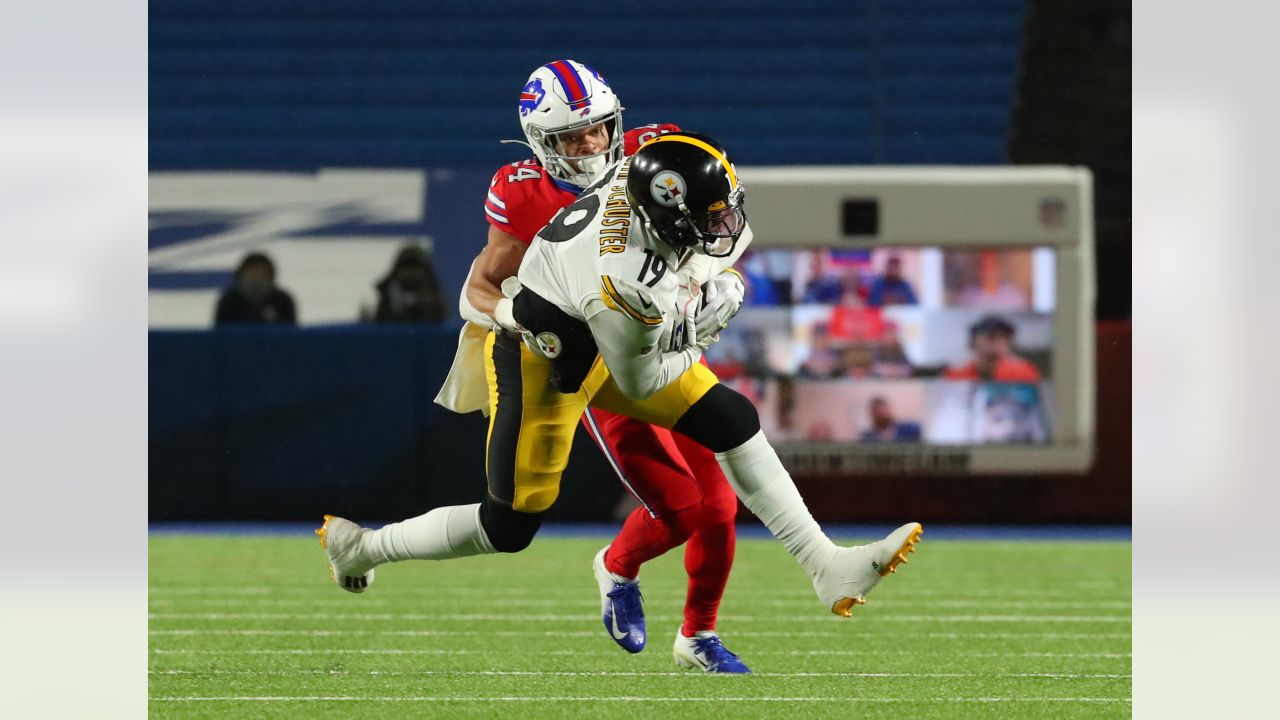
{"x": 634, "y": 301}
{"x": 637, "y": 136}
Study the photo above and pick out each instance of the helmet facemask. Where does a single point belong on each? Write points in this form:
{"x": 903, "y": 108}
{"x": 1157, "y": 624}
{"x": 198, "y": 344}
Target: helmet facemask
{"x": 579, "y": 170}
{"x": 716, "y": 232}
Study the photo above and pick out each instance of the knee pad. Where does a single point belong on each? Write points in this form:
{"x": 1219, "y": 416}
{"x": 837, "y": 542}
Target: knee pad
{"x": 508, "y": 531}
{"x": 721, "y": 420}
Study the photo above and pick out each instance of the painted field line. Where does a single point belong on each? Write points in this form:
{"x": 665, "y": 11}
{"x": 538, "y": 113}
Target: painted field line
{"x": 601, "y": 651}
{"x": 560, "y": 617}
{"x": 597, "y": 699}
{"x": 584, "y": 602}
{"x": 249, "y": 632}
{"x": 623, "y": 673}
{"x": 484, "y": 590}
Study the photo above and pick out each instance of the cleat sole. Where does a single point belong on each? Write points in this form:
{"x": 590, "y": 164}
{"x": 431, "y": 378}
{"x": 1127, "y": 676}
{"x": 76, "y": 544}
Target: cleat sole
{"x": 908, "y": 546}
{"x": 323, "y": 531}
{"x": 844, "y": 606}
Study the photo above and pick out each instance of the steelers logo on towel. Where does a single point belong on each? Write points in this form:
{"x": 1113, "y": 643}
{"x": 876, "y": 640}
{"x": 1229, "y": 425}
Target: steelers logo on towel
{"x": 668, "y": 188}
{"x": 549, "y": 344}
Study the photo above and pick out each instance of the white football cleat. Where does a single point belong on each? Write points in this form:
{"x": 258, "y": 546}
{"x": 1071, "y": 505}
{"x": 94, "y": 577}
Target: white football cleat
{"x": 705, "y": 652}
{"x": 340, "y": 539}
{"x": 853, "y": 571}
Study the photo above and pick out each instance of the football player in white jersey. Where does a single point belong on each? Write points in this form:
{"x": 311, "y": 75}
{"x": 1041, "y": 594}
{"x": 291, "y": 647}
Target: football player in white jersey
{"x": 606, "y": 322}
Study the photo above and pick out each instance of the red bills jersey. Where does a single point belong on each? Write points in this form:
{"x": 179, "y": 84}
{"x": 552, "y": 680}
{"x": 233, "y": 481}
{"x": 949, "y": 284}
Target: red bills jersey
{"x": 523, "y": 197}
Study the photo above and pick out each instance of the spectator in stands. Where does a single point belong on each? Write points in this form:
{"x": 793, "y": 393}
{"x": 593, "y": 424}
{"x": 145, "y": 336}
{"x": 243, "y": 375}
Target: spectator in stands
{"x": 993, "y": 291}
{"x": 852, "y": 321}
{"x": 1008, "y": 413}
{"x": 890, "y": 288}
{"x": 254, "y": 297}
{"x": 822, "y": 287}
{"x": 824, "y": 359}
{"x": 890, "y": 357}
{"x": 408, "y": 293}
{"x": 885, "y": 427}
{"x": 991, "y": 344}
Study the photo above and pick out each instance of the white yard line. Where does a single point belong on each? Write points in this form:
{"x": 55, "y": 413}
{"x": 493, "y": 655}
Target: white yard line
{"x": 610, "y": 673}
{"x": 596, "y": 633}
{"x": 584, "y": 617}
{"x": 585, "y": 601}
{"x": 480, "y": 591}
{"x": 601, "y": 650}
{"x": 599, "y": 699}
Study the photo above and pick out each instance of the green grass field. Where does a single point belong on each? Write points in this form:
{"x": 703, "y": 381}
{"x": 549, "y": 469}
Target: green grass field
{"x": 247, "y": 627}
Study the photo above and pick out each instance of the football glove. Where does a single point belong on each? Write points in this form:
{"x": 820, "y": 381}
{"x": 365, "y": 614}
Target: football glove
{"x": 680, "y": 331}
{"x": 720, "y": 301}
{"x": 502, "y": 313}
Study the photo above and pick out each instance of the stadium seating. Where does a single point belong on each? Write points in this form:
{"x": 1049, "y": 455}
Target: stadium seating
{"x": 276, "y": 84}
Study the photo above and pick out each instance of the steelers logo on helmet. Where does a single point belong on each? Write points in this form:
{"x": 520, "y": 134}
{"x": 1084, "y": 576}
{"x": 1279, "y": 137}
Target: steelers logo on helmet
{"x": 668, "y": 188}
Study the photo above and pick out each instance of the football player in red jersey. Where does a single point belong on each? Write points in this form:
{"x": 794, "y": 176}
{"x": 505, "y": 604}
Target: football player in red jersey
{"x": 573, "y": 123}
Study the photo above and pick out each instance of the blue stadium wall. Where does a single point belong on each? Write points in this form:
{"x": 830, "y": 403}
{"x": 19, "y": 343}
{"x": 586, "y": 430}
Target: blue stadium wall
{"x": 292, "y": 85}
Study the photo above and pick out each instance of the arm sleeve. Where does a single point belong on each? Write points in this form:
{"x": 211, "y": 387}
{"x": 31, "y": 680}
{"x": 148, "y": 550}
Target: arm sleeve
{"x": 630, "y": 351}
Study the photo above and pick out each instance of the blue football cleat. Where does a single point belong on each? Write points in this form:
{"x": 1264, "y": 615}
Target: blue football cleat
{"x": 621, "y": 607}
{"x": 705, "y": 652}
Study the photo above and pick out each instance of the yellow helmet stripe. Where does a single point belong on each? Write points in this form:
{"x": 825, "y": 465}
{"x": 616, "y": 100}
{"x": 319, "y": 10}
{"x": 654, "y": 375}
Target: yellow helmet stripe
{"x": 733, "y": 177}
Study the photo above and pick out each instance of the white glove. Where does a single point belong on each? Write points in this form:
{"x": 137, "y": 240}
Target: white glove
{"x": 502, "y": 311}
{"x": 721, "y": 300}
{"x": 678, "y": 329}
{"x": 502, "y": 315}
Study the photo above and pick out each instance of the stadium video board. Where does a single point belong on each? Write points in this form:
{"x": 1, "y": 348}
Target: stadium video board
{"x": 941, "y": 326}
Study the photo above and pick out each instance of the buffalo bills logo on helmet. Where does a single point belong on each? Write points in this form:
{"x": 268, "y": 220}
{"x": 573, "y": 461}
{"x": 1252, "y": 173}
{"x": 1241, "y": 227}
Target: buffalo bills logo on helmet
{"x": 531, "y": 96}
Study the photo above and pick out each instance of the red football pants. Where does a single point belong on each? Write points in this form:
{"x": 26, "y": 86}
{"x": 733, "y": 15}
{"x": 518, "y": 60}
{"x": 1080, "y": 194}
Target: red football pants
{"x": 685, "y": 497}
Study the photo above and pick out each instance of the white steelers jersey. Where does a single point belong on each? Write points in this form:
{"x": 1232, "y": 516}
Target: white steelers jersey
{"x": 595, "y": 256}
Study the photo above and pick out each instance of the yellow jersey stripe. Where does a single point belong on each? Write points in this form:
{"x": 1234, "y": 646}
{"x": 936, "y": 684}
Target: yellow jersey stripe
{"x": 733, "y": 177}
{"x": 614, "y": 300}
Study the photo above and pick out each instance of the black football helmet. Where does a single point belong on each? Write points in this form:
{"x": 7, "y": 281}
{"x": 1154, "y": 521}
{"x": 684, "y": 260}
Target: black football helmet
{"x": 687, "y": 193}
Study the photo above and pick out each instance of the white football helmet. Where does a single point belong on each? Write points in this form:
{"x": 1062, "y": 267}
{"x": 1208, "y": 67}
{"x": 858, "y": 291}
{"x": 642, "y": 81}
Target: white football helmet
{"x": 565, "y": 96}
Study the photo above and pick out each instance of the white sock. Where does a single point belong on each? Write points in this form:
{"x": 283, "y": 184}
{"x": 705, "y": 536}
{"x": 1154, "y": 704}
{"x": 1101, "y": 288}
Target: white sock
{"x": 765, "y": 487}
{"x": 443, "y": 533}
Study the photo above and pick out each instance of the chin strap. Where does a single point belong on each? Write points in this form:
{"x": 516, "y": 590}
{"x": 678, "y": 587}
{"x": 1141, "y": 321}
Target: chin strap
{"x": 516, "y": 142}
